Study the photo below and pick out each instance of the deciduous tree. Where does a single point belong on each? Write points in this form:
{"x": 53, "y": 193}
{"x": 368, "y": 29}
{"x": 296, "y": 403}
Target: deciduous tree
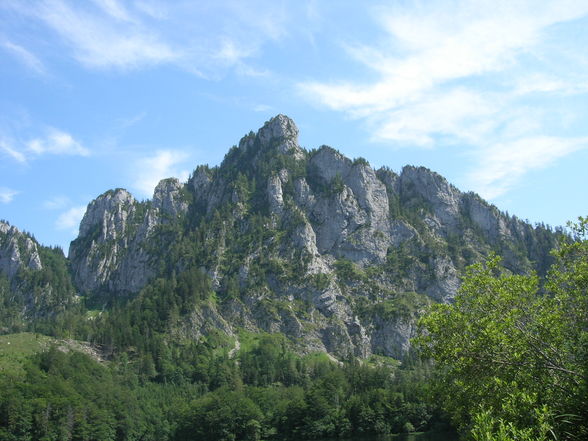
{"x": 512, "y": 352}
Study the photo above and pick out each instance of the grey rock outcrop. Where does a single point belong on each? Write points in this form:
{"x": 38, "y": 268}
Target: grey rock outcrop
{"x": 282, "y": 134}
{"x": 352, "y": 220}
{"x": 275, "y": 194}
{"x": 169, "y": 200}
{"x": 111, "y": 251}
{"x": 103, "y": 241}
{"x": 38, "y": 282}
{"x": 443, "y": 198}
{"x": 201, "y": 182}
{"x": 392, "y": 336}
{"x": 17, "y": 250}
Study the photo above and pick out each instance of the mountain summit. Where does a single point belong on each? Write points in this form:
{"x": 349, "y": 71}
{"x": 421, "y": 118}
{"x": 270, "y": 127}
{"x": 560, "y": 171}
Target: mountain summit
{"x": 279, "y": 133}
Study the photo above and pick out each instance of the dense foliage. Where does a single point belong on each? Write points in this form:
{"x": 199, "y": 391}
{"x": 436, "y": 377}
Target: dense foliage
{"x": 69, "y": 396}
{"x": 513, "y": 353}
{"x": 265, "y": 392}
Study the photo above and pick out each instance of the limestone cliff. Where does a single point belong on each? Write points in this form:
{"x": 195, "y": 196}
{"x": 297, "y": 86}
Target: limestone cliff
{"x": 34, "y": 280}
{"x": 17, "y": 251}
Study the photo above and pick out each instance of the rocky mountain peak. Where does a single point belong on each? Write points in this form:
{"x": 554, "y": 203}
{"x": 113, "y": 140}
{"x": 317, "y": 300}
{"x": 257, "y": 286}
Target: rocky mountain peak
{"x": 168, "y": 198}
{"x": 17, "y": 250}
{"x": 280, "y": 133}
{"x": 37, "y": 279}
{"x": 108, "y": 210}
{"x": 201, "y": 180}
{"x": 328, "y": 163}
{"x": 5, "y": 227}
{"x": 280, "y": 126}
{"x": 427, "y": 181}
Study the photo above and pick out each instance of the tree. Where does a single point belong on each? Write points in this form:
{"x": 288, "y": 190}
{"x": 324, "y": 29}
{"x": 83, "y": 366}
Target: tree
{"x": 222, "y": 416}
{"x": 512, "y": 353}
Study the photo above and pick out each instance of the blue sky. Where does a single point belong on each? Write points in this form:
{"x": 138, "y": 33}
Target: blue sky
{"x": 99, "y": 94}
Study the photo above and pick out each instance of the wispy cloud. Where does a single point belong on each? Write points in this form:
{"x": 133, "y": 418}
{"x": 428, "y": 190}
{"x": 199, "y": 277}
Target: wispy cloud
{"x": 444, "y": 76}
{"x": 26, "y": 57}
{"x": 540, "y": 83}
{"x": 130, "y": 121}
{"x": 206, "y": 38}
{"x": 433, "y": 46}
{"x": 456, "y": 113}
{"x": 502, "y": 165}
{"x": 8, "y": 148}
{"x": 232, "y": 52}
{"x": 52, "y": 142}
{"x": 152, "y": 8}
{"x": 163, "y": 164}
{"x": 57, "y": 203}
{"x": 70, "y": 219}
{"x": 113, "y": 8}
{"x": 262, "y": 108}
{"x": 7, "y": 195}
{"x": 108, "y": 40}
{"x": 57, "y": 142}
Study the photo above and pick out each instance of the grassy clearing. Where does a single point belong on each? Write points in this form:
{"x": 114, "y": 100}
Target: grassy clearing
{"x": 381, "y": 360}
{"x": 15, "y": 348}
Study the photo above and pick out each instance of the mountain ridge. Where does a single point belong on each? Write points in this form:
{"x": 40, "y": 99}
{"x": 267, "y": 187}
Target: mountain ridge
{"x": 338, "y": 256}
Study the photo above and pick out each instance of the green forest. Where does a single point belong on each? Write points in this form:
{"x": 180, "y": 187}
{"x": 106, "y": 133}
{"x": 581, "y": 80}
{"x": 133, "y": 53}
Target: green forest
{"x": 199, "y": 392}
{"x": 507, "y": 360}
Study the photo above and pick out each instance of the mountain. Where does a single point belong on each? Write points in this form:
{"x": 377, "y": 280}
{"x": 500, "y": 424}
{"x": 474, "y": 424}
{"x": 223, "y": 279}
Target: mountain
{"x": 337, "y": 256}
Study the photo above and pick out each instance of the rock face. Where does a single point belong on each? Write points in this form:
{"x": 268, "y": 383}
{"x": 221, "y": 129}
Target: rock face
{"x": 279, "y": 134}
{"x": 169, "y": 200}
{"x": 352, "y": 218}
{"x": 102, "y": 245}
{"x": 111, "y": 251}
{"x": 17, "y": 250}
{"x": 338, "y": 256}
{"x": 34, "y": 281}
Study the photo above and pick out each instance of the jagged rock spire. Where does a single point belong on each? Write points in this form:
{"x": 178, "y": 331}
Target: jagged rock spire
{"x": 280, "y": 126}
{"x": 280, "y": 132}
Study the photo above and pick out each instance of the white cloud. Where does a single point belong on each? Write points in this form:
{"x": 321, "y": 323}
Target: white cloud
{"x": 163, "y": 164}
{"x": 262, "y": 108}
{"x": 9, "y": 149}
{"x": 26, "y": 57}
{"x": 152, "y": 8}
{"x": 114, "y": 9}
{"x": 232, "y": 52}
{"x": 7, "y": 195}
{"x": 464, "y": 73}
{"x": 472, "y": 39}
{"x": 502, "y": 166}
{"x": 542, "y": 83}
{"x": 130, "y": 121}
{"x": 57, "y": 203}
{"x": 108, "y": 40}
{"x": 205, "y": 38}
{"x": 53, "y": 142}
{"x": 460, "y": 113}
{"x": 266, "y": 19}
{"x": 70, "y": 220}
{"x": 57, "y": 142}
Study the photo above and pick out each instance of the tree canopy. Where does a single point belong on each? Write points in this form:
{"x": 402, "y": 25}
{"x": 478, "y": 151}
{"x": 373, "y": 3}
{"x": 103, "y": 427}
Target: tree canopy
{"x": 512, "y": 350}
